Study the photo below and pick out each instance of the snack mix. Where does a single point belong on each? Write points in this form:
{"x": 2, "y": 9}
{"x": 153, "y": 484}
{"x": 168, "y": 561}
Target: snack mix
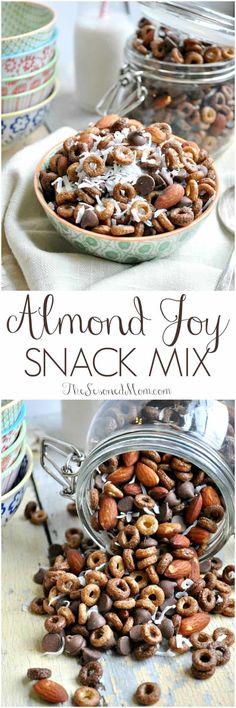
{"x": 120, "y": 178}
{"x": 200, "y": 109}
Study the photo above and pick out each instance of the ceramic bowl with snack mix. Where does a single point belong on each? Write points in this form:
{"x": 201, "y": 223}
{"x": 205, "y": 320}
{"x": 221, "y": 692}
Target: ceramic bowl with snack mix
{"x": 126, "y": 192}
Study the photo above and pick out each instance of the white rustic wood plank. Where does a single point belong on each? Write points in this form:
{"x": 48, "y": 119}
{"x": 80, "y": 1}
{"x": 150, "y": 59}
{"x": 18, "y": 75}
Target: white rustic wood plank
{"x": 121, "y": 676}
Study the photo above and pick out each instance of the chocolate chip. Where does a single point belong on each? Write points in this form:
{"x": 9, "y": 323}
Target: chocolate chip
{"x": 90, "y": 655}
{"x": 168, "y": 588}
{"x": 136, "y": 137}
{"x": 55, "y": 550}
{"x": 168, "y": 603}
{"x": 185, "y": 201}
{"x": 123, "y": 646}
{"x": 167, "y": 628}
{"x": 30, "y": 507}
{"x": 52, "y": 642}
{"x": 141, "y": 616}
{"x": 74, "y": 644}
{"x": 171, "y": 498}
{"x": 136, "y": 633}
{"x": 89, "y": 219}
{"x": 104, "y": 603}
{"x": 145, "y": 184}
{"x": 182, "y": 174}
{"x": 95, "y": 621}
{"x": 205, "y": 566}
{"x": 186, "y": 490}
{"x": 165, "y": 513}
{"x": 39, "y": 576}
{"x": 126, "y": 504}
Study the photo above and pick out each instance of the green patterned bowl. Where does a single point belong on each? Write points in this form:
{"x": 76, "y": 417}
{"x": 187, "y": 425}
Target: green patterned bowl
{"x": 120, "y": 249}
{"x": 25, "y": 26}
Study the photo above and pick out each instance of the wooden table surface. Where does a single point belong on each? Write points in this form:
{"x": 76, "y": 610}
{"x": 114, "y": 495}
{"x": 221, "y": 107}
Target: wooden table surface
{"x": 24, "y": 550}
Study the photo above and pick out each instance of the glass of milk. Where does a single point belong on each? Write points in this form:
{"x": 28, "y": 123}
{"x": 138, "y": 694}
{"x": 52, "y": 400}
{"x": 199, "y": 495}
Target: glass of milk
{"x": 98, "y": 45}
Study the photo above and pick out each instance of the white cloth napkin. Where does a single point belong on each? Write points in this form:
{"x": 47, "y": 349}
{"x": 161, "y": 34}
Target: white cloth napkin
{"x": 49, "y": 262}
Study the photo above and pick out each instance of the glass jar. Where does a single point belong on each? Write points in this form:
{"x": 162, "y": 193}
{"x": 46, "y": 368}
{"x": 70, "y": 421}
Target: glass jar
{"x": 201, "y": 432}
{"x": 197, "y": 100}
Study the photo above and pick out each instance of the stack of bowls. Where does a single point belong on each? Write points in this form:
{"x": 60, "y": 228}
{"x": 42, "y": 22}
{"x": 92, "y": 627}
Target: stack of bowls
{"x": 29, "y": 66}
{"x": 16, "y": 457}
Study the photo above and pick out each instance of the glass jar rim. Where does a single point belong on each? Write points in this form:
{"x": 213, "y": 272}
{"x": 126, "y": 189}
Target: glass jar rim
{"x": 156, "y": 70}
{"x": 206, "y": 24}
{"x": 189, "y": 446}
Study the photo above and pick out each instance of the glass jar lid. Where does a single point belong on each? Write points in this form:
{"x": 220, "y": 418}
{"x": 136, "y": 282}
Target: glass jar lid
{"x": 196, "y": 19}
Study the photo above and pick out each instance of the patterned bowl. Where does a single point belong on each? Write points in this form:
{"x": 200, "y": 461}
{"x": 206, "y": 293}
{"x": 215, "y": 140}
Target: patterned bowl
{"x": 120, "y": 249}
{"x": 16, "y": 126}
{"x": 8, "y": 477}
{"x": 24, "y": 62}
{"x": 10, "y": 434}
{"x": 28, "y": 82}
{"x": 9, "y": 456}
{"x": 11, "y": 501}
{"x": 27, "y": 99}
{"x": 25, "y": 26}
{"x": 9, "y": 413}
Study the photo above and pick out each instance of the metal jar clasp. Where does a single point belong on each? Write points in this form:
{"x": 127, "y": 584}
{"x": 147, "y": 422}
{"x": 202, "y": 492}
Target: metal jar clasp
{"x": 125, "y": 95}
{"x": 61, "y": 461}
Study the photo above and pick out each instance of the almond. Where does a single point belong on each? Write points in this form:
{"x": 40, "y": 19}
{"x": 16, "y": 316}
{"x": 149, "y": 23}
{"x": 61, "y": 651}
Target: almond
{"x": 76, "y": 560}
{"x": 113, "y": 491}
{"x": 107, "y": 121}
{"x": 198, "y": 535}
{"x": 195, "y": 623}
{"x": 121, "y": 475}
{"x": 132, "y": 489}
{"x": 130, "y": 458}
{"x": 50, "y": 691}
{"x": 108, "y": 512}
{"x": 170, "y": 196}
{"x": 193, "y": 509}
{"x": 178, "y": 569}
{"x": 180, "y": 541}
{"x": 146, "y": 475}
{"x": 210, "y": 497}
{"x": 167, "y": 529}
{"x": 195, "y": 569}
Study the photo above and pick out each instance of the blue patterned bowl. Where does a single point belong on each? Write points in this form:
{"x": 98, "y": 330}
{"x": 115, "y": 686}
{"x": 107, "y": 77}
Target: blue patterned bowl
{"x": 120, "y": 249}
{"x": 16, "y": 126}
{"x": 11, "y": 501}
{"x": 25, "y": 26}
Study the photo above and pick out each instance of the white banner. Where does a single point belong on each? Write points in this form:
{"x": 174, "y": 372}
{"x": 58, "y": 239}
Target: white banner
{"x": 86, "y": 345}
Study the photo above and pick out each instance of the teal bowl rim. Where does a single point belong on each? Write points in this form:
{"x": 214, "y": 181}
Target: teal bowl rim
{"x": 6, "y": 116}
{"x": 16, "y": 462}
{"x": 104, "y": 237}
{"x": 30, "y": 75}
{"x": 16, "y": 442}
{"x": 27, "y": 475}
{"x": 52, "y": 21}
{"x": 31, "y": 91}
{"x": 17, "y": 422}
{"x": 5, "y": 57}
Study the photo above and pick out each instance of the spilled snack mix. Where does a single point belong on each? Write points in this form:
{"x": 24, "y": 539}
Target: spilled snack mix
{"x": 150, "y": 595}
{"x": 120, "y": 178}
